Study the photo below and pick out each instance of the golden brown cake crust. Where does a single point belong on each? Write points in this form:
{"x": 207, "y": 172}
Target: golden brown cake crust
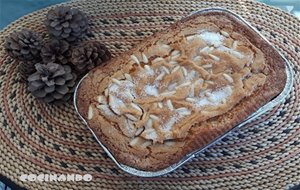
{"x": 200, "y": 134}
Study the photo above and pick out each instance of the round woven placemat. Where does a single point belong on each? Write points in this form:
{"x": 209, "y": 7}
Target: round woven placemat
{"x": 37, "y": 138}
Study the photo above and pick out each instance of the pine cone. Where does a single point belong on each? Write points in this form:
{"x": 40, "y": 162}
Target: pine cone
{"x": 56, "y": 51}
{"x": 66, "y": 23}
{"x": 24, "y": 45}
{"x": 25, "y": 69}
{"x": 89, "y": 55}
{"x": 52, "y": 82}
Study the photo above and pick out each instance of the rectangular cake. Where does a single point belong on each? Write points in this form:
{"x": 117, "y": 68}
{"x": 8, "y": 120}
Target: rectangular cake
{"x": 180, "y": 89}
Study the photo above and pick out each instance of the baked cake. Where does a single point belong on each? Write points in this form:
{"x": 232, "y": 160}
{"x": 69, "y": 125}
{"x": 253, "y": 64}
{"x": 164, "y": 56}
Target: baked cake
{"x": 180, "y": 89}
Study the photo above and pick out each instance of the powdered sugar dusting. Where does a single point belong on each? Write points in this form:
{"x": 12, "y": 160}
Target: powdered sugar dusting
{"x": 167, "y": 127}
{"x": 105, "y": 109}
{"x": 150, "y": 134}
{"x": 215, "y": 97}
{"x": 231, "y": 51}
{"x": 191, "y": 75}
{"x": 125, "y": 90}
{"x": 151, "y": 90}
{"x": 212, "y": 38}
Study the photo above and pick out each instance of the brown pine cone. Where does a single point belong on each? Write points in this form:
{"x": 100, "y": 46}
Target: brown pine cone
{"x": 24, "y": 45}
{"x": 52, "y": 83}
{"x": 26, "y": 68}
{"x": 66, "y": 23}
{"x": 56, "y": 51}
{"x": 89, "y": 55}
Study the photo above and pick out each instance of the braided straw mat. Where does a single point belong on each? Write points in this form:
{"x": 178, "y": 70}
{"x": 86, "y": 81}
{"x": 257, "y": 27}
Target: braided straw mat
{"x": 36, "y": 138}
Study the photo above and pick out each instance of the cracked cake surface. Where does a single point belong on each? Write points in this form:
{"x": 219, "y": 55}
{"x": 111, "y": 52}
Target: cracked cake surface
{"x": 180, "y": 89}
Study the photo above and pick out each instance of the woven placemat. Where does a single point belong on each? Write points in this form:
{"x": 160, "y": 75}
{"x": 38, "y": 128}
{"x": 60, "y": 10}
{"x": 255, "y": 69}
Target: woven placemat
{"x": 38, "y": 138}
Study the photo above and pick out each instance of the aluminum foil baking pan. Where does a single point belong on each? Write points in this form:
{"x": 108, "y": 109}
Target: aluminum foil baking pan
{"x": 277, "y": 100}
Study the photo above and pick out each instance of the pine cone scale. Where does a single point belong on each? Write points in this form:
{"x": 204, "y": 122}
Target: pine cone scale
{"x": 60, "y": 81}
{"x": 54, "y": 23}
{"x": 62, "y": 89}
{"x": 39, "y": 93}
{"x": 57, "y": 95}
{"x": 34, "y": 77}
{"x": 48, "y": 99}
{"x": 36, "y": 85}
{"x": 49, "y": 89}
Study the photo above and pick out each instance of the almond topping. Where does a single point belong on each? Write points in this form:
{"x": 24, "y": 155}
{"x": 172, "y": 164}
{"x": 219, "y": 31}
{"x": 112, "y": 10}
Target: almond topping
{"x": 170, "y": 105}
{"x": 149, "y": 123}
{"x": 160, "y": 105}
{"x": 136, "y": 141}
{"x": 208, "y": 66}
{"x": 165, "y": 69}
{"x": 199, "y": 81}
{"x": 190, "y": 38}
{"x": 174, "y": 62}
{"x": 228, "y": 78}
{"x": 175, "y": 69}
{"x": 158, "y": 59}
{"x": 145, "y": 59}
{"x": 137, "y": 108}
{"x": 168, "y": 93}
{"x": 139, "y": 131}
{"x": 154, "y": 117}
{"x": 207, "y": 94}
{"x": 197, "y": 58}
{"x": 175, "y": 54}
{"x": 192, "y": 90}
{"x": 206, "y": 49}
{"x": 106, "y": 110}
{"x": 224, "y": 33}
{"x": 235, "y": 44}
{"x": 146, "y": 144}
{"x": 106, "y": 92}
{"x": 166, "y": 46}
{"x": 116, "y": 81}
{"x": 135, "y": 59}
{"x": 172, "y": 86}
{"x": 131, "y": 117}
{"x": 144, "y": 116}
{"x": 160, "y": 76}
{"x": 183, "y": 84}
{"x": 184, "y": 71}
{"x": 101, "y": 99}
{"x": 237, "y": 54}
{"x": 191, "y": 99}
{"x": 147, "y": 67}
{"x": 128, "y": 77}
{"x": 214, "y": 57}
{"x": 139, "y": 141}
{"x": 210, "y": 82}
{"x": 113, "y": 104}
{"x": 90, "y": 113}
{"x": 223, "y": 101}
{"x": 169, "y": 143}
{"x": 183, "y": 111}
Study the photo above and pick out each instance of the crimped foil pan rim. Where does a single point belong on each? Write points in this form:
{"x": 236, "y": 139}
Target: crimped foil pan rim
{"x": 276, "y": 101}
